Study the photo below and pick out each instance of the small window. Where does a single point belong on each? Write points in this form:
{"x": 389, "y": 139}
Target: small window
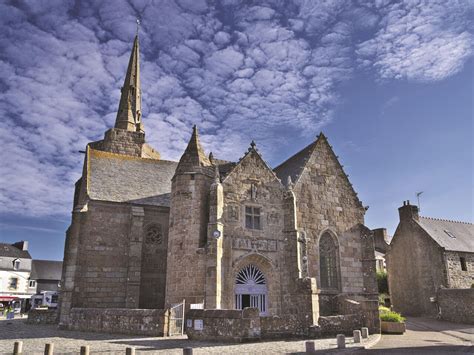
{"x": 449, "y": 233}
{"x": 252, "y": 217}
{"x": 463, "y": 263}
{"x": 32, "y": 283}
{"x": 13, "y": 283}
{"x": 16, "y": 264}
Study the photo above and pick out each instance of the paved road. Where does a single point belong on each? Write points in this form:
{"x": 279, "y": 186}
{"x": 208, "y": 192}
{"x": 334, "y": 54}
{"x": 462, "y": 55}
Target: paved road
{"x": 427, "y": 336}
{"x": 34, "y": 338}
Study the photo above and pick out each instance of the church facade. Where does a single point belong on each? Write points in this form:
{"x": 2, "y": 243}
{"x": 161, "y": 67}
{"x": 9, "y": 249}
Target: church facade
{"x": 147, "y": 233}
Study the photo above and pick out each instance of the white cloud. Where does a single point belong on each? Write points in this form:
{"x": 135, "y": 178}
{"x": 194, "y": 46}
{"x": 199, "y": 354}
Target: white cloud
{"x": 420, "y": 40}
{"x": 239, "y": 72}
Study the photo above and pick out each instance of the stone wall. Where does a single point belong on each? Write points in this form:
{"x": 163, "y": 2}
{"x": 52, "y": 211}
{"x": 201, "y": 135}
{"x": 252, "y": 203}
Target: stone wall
{"x": 253, "y": 184}
{"x": 223, "y": 325}
{"x": 341, "y": 324}
{"x": 457, "y": 277}
{"x": 152, "y": 322}
{"x": 416, "y": 268}
{"x": 43, "y": 316}
{"x": 456, "y": 305}
{"x": 326, "y": 201}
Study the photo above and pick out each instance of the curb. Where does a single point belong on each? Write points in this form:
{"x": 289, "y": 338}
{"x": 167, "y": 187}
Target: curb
{"x": 371, "y": 342}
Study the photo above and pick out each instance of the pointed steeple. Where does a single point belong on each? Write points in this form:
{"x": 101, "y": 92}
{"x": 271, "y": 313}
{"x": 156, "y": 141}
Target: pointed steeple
{"x": 194, "y": 156}
{"x": 130, "y": 107}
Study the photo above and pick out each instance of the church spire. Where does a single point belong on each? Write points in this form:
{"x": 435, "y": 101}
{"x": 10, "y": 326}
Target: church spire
{"x": 130, "y": 107}
{"x": 194, "y": 156}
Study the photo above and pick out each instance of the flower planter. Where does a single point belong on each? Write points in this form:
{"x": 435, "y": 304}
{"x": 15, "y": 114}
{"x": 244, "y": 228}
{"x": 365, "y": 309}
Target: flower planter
{"x": 392, "y": 327}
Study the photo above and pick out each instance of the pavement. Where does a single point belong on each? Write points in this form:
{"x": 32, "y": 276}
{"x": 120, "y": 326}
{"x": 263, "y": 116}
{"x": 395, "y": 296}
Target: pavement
{"x": 427, "y": 336}
{"x": 423, "y": 336}
{"x": 35, "y": 337}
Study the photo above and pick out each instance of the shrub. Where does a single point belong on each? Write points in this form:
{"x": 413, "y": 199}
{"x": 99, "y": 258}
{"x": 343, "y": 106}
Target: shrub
{"x": 390, "y": 316}
{"x": 383, "y": 309}
{"x": 382, "y": 297}
{"x": 382, "y": 281}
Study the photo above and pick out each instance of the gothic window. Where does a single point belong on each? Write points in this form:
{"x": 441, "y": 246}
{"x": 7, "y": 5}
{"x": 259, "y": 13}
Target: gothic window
{"x": 252, "y": 217}
{"x": 328, "y": 262}
{"x": 154, "y": 234}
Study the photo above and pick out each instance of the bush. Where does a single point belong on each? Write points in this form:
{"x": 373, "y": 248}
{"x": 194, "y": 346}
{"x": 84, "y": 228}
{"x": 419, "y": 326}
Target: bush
{"x": 382, "y": 281}
{"x": 387, "y": 315}
{"x": 382, "y": 297}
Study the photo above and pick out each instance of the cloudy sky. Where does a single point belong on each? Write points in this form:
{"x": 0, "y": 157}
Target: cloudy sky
{"x": 389, "y": 82}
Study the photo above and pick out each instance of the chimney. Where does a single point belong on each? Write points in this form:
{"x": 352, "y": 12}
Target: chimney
{"x": 408, "y": 212}
{"x": 23, "y": 245}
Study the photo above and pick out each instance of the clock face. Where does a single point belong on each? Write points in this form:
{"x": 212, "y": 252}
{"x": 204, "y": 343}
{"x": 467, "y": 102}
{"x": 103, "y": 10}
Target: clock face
{"x": 216, "y": 234}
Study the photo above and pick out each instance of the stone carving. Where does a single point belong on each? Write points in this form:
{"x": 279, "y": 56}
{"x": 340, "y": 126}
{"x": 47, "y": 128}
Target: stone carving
{"x": 253, "y": 192}
{"x": 273, "y": 217}
{"x": 233, "y": 212}
{"x": 154, "y": 234}
{"x": 256, "y": 245}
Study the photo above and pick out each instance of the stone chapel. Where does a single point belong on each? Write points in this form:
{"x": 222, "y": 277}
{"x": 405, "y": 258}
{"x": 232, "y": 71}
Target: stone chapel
{"x": 147, "y": 233}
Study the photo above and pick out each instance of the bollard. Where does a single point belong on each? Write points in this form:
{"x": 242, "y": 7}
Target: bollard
{"x": 341, "y": 341}
{"x": 187, "y": 351}
{"x": 309, "y": 347}
{"x": 18, "y": 347}
{"x": 48, "y": 349}
{"x": 356, "y": 334}
{"x": 85, "y": 350}
{"x": 365, "y": 332}
{"x": 130, "y": 351}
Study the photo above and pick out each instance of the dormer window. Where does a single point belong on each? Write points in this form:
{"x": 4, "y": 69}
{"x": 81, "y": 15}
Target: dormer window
{"x": 16, "y": 264}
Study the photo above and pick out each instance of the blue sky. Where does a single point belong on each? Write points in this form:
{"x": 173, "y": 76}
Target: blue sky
{"x": 390, "y": 83}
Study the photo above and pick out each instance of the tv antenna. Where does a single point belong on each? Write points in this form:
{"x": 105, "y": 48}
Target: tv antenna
{"x": 418, "y": 198}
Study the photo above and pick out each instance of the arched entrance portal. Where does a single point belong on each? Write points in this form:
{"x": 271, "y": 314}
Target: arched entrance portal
{"x": 251, "y": 289}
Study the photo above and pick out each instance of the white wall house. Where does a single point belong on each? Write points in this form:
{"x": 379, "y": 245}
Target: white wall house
{"x": 15, "y": 269}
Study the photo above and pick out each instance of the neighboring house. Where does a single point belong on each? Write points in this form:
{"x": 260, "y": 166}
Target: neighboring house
{"x": 148, "y": 233}
{"x": 426, "y": 254}
{"x": 46, "y": 274}
{"x": 15, "y": 269}
{"x": 381, "y": 240}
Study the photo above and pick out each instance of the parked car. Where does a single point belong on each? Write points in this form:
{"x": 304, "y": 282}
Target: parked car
{"x": 46, "y": 299}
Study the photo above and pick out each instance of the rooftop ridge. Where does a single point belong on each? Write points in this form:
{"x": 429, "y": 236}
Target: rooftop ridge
{"x": 446, "y": 220}
{"x": 102, "y": 153}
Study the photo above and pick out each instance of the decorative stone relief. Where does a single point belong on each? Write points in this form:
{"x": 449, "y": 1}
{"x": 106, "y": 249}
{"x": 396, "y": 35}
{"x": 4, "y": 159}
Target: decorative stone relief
{"x": 233, "y": 213}
{"x": 256, "y": 245}
{"x": 154, "y": 234}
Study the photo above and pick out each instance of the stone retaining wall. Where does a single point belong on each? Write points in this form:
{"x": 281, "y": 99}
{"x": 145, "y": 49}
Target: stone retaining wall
{"x": 341, "y": 324}
{"x": 152, "y": 322}
{"x": 456, "y": 304}
{"x": 223, "y": 324}
{"x": 42, "y": 316}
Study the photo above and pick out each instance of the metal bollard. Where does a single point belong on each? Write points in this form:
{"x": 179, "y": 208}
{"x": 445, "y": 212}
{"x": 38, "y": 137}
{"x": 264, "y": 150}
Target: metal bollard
{"x": 341, "y": 341}
{"x": 48, "y": 349}
{"x": 130, "y": 351}
{"x": 309, "y": 347}
{"x": 365, "y": 332}
{"x": 356, "y": 334}
{"x": 187, "y": 351}
{"x": 18, "y": 347}
{"x": 85, "y": 350}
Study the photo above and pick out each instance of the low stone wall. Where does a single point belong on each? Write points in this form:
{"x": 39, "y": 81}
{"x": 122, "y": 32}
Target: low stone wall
{"x": 43, "y": 316}
{"x": 333, "y": 325}
{"x": 223, "y": 324}
{"x": 152, "y": 322}
{"x": 456, "y": 304}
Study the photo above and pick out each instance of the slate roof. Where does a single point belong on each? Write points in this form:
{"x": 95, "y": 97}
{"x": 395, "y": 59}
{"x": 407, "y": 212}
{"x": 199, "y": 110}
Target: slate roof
{"x": 8, "y": 250}
{"x": 294, "y": 165}
{"x": 463, "y": 233}
{"x": 46, "y": 270}
{"x": 122, "y": 178}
